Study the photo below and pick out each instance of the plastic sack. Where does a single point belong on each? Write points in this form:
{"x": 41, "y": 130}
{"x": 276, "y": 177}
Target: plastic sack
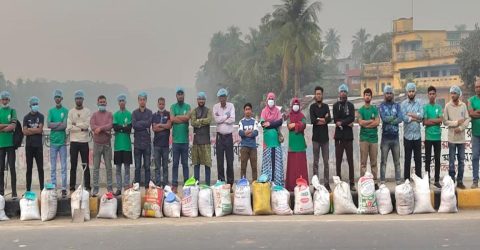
{"x": 242, "y": 203}
{"x": 172, "y": 205}
{"x": 423, "y": 202}
{"x": 342, "y": 198}
{"x": 75, "y": 201}
{"x": 384, "y": 200}
{"x": 222, "y": 199}
{"x": 108, "y": 206}
{"x": 152, "y": 207}
{"x": 190, "y": 198}
{"x": 448, "y": 199}
{"x": 303, "y": 198}
{"x": 321, "y": 198}
{"x": 261, "y": 198}
{"x": 29, "y": 209}
{"x": 48, "y": 202}
{"x": 281, "y": 201}
{"x": 367, "y": 203}
{"x": 132, "y": 202}
{"x": 3, "y": 216}
{"x": 404, "y": 198}
{"x": 205, "y": 201}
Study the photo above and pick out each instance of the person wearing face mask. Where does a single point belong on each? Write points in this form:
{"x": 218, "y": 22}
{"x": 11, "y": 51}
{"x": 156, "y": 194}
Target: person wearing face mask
{"x": 33, "y": 130}
{"x": 57, "y": 123}
{"x": 101, "y": 124}
{"x": 8, "y": 120}
{"x": 272, "y": 159}
{"x": 344, "y": 116}
{"x": 78, "y": 124}
{"x": 297, "y": 156}
{"x": 122, "y": 155}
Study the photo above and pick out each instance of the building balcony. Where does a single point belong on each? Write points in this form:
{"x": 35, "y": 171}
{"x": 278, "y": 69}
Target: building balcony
{"x": 383, "y": 69}
{"x": 426, "y": 54}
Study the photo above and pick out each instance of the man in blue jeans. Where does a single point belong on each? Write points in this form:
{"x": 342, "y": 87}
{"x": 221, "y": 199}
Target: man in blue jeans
{"x": 141, "y": 122}
{"x": 180, "y": 115}
{"x": 161, "y": 125}
{"x": 57, "y": 123}
{"x": 391, "y": 115}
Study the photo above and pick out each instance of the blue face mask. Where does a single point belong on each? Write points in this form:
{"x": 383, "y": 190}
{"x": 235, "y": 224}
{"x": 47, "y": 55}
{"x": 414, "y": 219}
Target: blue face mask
{"x": 102, "y": 108}
{"x": 35, "y": 108}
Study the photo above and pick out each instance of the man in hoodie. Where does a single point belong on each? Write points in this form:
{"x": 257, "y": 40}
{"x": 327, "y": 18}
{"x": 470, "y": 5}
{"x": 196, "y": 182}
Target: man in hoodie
{"x": 33, "y": 130}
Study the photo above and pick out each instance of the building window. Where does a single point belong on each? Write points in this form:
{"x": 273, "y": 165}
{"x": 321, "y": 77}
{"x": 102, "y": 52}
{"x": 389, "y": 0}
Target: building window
{"x": 383, "y": 85}
{"x": 416, "y": 74}
{"x": 444, "y": 72}
{"x": 376, "y": 87}
{"x": 454, "y": 72}
{"x": 434, "y": 73}
{"x": 425, "y": 74}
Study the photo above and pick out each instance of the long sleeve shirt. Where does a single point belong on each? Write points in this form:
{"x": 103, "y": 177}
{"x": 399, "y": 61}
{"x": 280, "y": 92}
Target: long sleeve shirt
{"x": 451, "y": 115}
{"x": 78, "y": 123}
{"x": 412, "y": 129}
{"x": 244, "y": 125}
{"x": 344, "y": 112}
{"x": 103, "y": 121}
{"x": 224, "y": 117}
{"x": 391, "y": 115}
{"x": 141, "y": 123}
{"x": 320, "y": 132}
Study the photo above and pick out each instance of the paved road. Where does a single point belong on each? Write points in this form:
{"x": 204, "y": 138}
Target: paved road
{"x": 432, "y": 231}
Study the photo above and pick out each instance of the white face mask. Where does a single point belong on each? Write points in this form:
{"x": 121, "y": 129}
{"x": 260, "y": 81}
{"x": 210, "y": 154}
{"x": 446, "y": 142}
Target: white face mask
{"x": 271, "y": 103}
{"x": 296, "y": 108}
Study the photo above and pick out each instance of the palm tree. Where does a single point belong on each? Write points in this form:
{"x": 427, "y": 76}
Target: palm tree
{"x": 332, "y": 44}
{"x": 296, "y": 37}
{"x": 359, "y": 44}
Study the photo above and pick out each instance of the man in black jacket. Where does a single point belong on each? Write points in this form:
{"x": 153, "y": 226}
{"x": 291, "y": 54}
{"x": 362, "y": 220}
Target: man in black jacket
{"x": 344, "y": 116}
{"x": 320, "y": 118}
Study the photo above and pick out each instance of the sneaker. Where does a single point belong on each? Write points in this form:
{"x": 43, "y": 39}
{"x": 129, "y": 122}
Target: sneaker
{"x": 474, "y": 185}
{"x": 118, "y": 193}
{"x": 174, "y": 189}
{"x": 460, "y": 185}
{"x": 95, "y": 192}
{"x": 64, "y": 194}
{"x": 352, "y": 187}
{"x": 376, "y": 186}
{"x": 14, "y": 197}
{"x": 398, "y": 182}
{"x": 437, "y": 184}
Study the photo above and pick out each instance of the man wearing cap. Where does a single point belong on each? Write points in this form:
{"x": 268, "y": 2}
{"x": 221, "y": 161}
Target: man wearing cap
{"x": 8, "y": 120}
{"x": 224, "y": 113}
{"x": 101, "y": 124}
{"x": 456, "y": 118}
{"x": 344, "y": 116}
{"x": 78, "y": 123}
{"x": 412, "y": 138}
{"x": 201, "y": 150}
{"x": 57, "y": 123}
{"x": 142, "y": 144}
{"x": 122, "y": 125}
{"x": 180, "y": 115}
{"x": 161, "y": 125}
{"x": 391, "y": 116}
{"x": 33, "y": 130}
{"x": 474, "y": 112}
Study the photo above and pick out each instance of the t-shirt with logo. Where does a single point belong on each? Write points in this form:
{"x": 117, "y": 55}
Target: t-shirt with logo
{"x": 33, "y": 120}
{"x": 432, "y": 132}
{"x": 368, "y": 134}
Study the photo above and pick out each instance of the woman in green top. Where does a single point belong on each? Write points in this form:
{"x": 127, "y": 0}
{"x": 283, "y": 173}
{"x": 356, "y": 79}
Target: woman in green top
{"x": 272, "y": 161}
{"x": 297, "y": 156}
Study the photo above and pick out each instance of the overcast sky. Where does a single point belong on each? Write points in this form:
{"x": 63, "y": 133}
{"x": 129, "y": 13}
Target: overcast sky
{"x": 149, "y": 43}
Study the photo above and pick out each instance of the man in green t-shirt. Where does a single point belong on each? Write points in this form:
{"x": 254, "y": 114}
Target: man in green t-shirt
{"x": 57, "y": 123}
{"x": 122, "y": 125}
{"x": 433, "y": 118}
{"x": 368, "y": 120}
{"x": 180, "y": 116}
{"x": 473, "y": 105}
{"x": 8, "y": 120}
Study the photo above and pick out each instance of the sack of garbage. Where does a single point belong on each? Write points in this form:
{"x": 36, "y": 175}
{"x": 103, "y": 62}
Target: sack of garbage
{"x": 48, "y": 203}
{"x": 281, "y": 201}
{"x": 423, "y": 202}
{"x": 152, "y": 207}
{"x": 205, "y": 201}
{"x": 83, "y": 194}
{"x": 261, "y": 196}
{"x": 321, "y": 198}
{"x": 342, "y": 198}
{"x": 242, "y": 203}
{"x": 404, "y": 198}
{"x": 3, "y": 216}
{"x": 222, "y": 199}
{"x": 448, "y": 199}
{"x": 108, "y": 206}
{"x": 303, "y": 197}
{"x": 384, "y": 200}
{"x": 190, "y": 198}
{"x": 172, "y": 205}
{"x": 132, "y": 202}
{"x": 367, "y": 203}
{"x": 29, "y": 209}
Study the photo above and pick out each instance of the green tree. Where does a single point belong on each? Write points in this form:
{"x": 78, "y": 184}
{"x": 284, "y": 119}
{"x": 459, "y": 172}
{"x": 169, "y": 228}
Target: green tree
{"x": 332, "y": 44}
{"x": 379, "y": 49}
{"x": 461, "y": 27}
{"x": 359, "y": 42}
{"x": 468, "y": 59}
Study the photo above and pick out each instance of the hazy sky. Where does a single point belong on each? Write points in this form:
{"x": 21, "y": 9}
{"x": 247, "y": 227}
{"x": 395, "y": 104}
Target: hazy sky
{"x": 148, "y": 43}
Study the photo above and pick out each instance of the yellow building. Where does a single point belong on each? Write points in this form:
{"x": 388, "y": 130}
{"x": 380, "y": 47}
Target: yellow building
{"x": 426, "y": 56}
